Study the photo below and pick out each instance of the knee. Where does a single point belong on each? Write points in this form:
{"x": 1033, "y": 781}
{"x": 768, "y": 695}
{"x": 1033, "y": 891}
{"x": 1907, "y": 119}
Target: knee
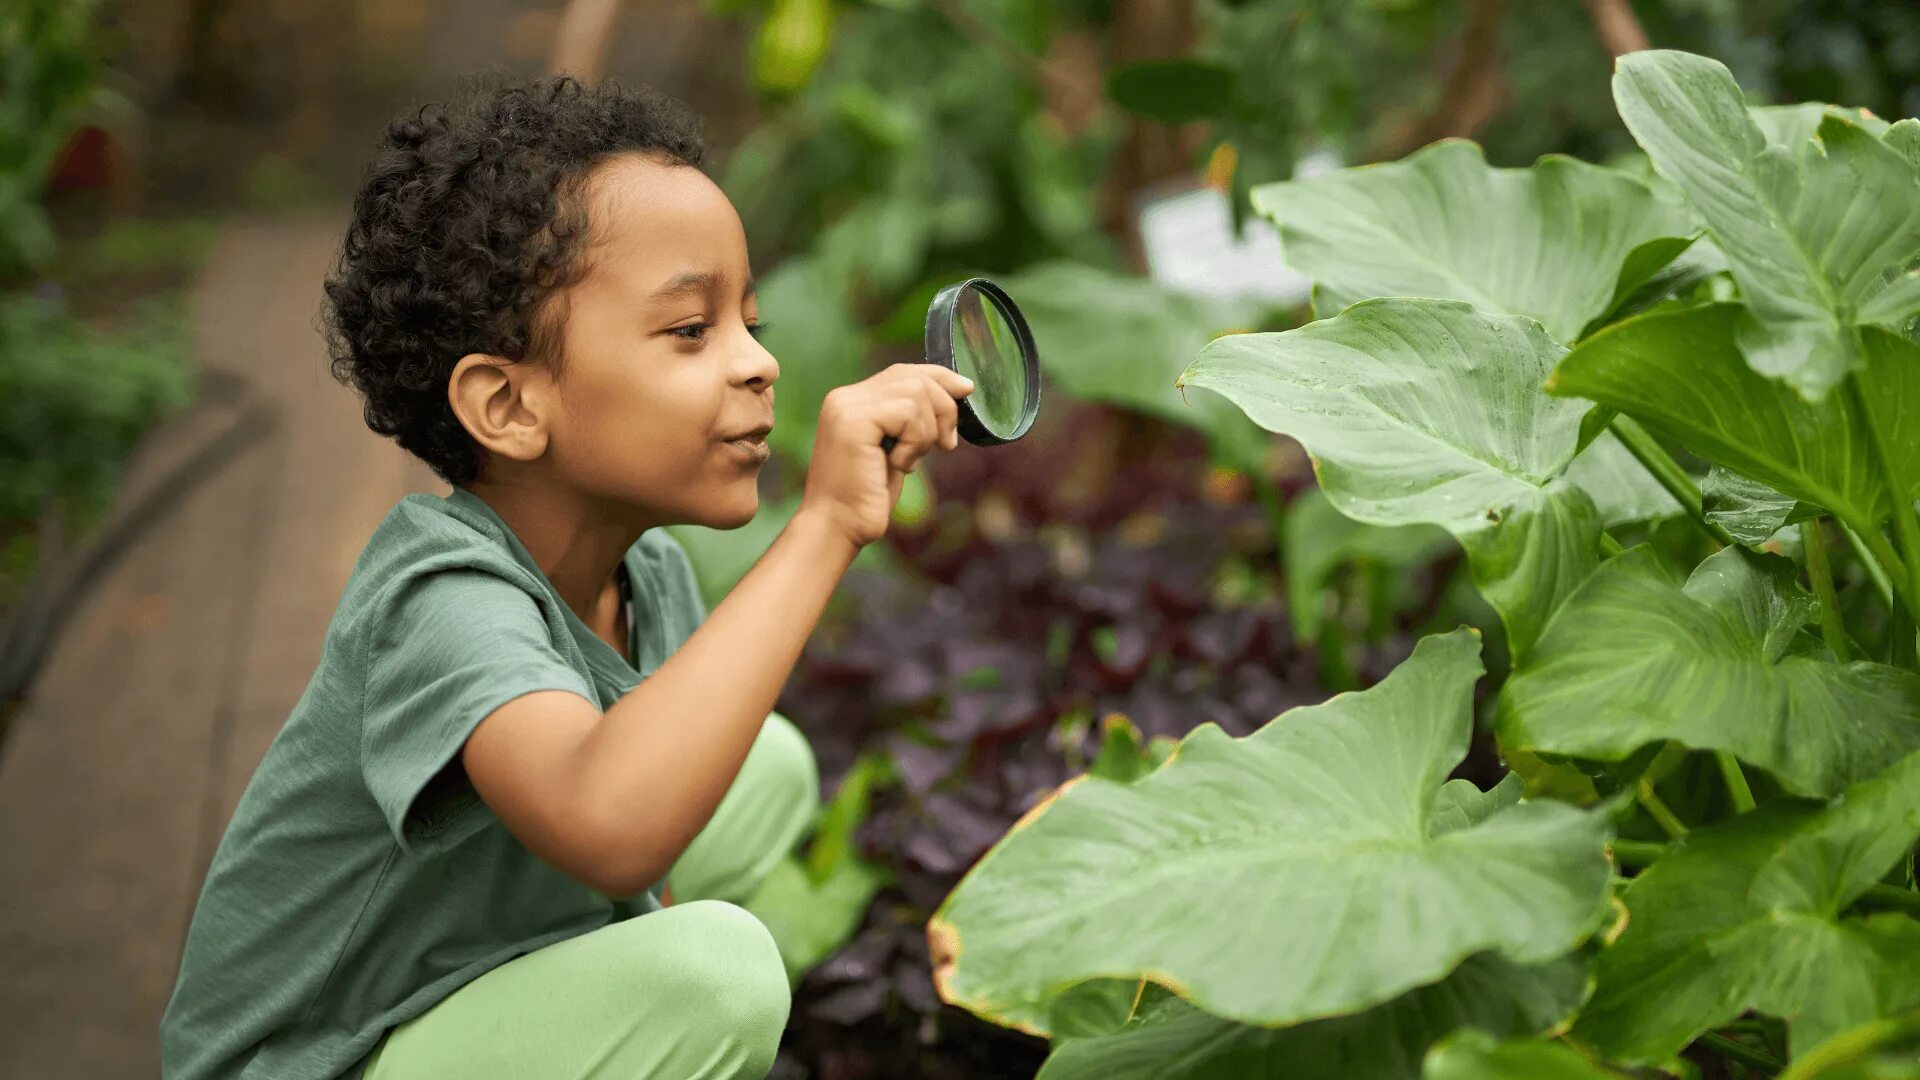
{"x": 724, "y": 966}
{"x": 794, "y": 774}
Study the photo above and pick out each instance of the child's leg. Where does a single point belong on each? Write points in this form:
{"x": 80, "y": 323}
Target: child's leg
{"x": 694, "y": 991}
{"x": 770, "y": 805}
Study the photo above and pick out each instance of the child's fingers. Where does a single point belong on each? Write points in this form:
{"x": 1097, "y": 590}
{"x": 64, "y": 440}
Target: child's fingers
{"x": 908, "y": 420}
{"x": 955, "y": 384}
{"x": 949, "y": 380}
{"x": 946, "y": 414}
{"x": 896, "y": 482}
{"x": 918, "y": 438}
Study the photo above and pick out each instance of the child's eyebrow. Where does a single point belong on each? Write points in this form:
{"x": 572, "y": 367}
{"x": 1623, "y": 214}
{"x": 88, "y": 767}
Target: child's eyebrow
{"x": 693, "y": 283}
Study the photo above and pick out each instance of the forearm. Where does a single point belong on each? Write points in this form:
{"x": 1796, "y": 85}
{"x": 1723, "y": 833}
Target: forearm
{"x": 658, "y": 763}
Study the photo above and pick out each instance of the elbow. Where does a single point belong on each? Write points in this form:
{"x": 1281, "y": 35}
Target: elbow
{"x": 622, "y": 873}
{"x": 618, "y": 858}
{"x": 618, "y": 880}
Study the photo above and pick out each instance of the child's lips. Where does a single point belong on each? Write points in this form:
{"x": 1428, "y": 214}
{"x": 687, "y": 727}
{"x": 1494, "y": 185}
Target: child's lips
{"x": 750, "y": 448}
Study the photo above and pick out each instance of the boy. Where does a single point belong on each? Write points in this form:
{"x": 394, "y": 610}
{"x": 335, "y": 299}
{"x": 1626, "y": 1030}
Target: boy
{"x": 450, "y": 862}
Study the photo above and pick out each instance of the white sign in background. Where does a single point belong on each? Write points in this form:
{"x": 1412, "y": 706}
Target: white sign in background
{"x": 1191, "y": 248}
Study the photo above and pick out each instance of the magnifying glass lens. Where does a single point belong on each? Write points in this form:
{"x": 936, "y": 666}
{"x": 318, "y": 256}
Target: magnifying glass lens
{"x": 987, "y": 350}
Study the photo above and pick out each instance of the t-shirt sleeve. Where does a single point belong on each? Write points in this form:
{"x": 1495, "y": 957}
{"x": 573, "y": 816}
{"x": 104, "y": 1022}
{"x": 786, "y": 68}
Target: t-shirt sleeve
{"x": 444, "y": 650}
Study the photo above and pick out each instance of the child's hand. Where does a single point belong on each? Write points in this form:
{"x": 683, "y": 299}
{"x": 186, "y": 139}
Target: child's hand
{"x": 852, "y": 481}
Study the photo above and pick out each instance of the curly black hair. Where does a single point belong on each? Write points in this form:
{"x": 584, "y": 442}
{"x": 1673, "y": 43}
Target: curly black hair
{"x": 469, "y": 219}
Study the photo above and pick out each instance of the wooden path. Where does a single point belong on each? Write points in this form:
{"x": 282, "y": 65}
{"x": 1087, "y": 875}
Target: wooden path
{"x": 173, "y": 676}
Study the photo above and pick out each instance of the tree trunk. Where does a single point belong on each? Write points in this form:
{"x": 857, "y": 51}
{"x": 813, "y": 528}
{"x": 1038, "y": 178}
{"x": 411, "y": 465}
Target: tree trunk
{"x": 1475, "y": 90}
{"x": 581, "y": 41}
{"x": 1618, "y": 27}
{"x": 1151, "y": 151}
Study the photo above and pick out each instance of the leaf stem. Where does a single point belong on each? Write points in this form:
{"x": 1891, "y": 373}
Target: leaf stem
{"x": 1741, "y": 1052}
{"x": 1883, "y": 897}
{"x": 1861, "y": 552}
{"x": 1901, "y": 643}
{"x": 1891, "y": 569}
{"x": 1638, "y": 852}
{"x": 1269, "y": 495}
{"x": 1905, "y": 525}
{"x": 1660, "y": 811}
{"x": 1655, "y": 459}
{"x": 1821, "y": 574}
{"x": 1737, "y": 788}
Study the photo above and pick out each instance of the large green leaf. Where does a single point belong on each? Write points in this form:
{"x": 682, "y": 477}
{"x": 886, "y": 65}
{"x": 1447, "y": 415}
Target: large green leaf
{"x": 1460, "y": 804}
{"x": 1680, "y": 373}
{"x": 1720, "y": 663}
{"x": 1791, "y": 125}
{"x": 1549, "y": 242}
{"x": 1528, "y": 565}
{"x": 1316, "y": 831}
{"x": 1122, "y": 339}
{"x": 1622, "y": 489}
{"x": 1475, "y": 1055}
{"x": 1904, "y": 137}
{"x": 1169, "y": 1039}
{"x": 1430, "y": 411}
{"x": 1812, "y": 231}
{"x": 1748, "y": 915}
{"x": 1750, "y": 511}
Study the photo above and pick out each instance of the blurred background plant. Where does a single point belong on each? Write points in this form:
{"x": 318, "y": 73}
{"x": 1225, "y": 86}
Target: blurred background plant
{"x": 1141, "y": 553}
{"x": 82, "y": 374}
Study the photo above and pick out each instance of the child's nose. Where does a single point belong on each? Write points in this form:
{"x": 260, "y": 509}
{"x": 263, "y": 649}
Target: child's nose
{"x": 757, "y": 367}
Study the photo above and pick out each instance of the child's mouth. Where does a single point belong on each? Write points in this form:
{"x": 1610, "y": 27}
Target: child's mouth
{"x": 750, "y": 448}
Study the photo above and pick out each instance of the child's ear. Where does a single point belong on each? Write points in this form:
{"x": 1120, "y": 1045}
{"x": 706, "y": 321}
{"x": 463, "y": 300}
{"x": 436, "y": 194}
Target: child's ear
{"x": 501, "y": 404}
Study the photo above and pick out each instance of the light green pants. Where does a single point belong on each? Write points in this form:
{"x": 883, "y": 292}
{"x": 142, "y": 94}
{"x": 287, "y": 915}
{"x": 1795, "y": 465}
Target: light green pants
{"x": 695, "y": 990}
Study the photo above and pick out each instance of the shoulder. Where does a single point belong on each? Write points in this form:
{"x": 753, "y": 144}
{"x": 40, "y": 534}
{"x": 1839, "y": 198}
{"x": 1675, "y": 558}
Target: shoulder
{"x": 430, "y": 551}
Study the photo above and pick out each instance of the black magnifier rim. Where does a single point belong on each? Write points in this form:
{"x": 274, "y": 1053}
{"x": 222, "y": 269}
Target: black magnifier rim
{"x": 940, "y": 351}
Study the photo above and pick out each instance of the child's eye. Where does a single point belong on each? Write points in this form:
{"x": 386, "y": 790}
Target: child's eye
{"x": 698, "y": 331}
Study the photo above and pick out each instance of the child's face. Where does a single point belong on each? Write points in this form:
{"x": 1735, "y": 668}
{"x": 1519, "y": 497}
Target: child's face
{"x": 659, "y": 369}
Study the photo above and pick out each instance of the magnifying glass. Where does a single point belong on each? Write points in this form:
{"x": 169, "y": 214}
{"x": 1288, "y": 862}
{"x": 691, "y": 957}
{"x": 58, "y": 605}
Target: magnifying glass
{"x": 975, "y": 328}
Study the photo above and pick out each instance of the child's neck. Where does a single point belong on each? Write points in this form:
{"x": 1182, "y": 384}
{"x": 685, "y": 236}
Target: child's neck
{"x": 576, "y": 543}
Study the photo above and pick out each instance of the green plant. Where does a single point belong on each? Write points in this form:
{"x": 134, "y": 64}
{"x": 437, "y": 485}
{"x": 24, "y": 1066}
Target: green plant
{"x": 1714, "y": 702}
{"x": 74, "y": 400}
{"x": 812, "y": 905}
{"x": 46, "y": 87}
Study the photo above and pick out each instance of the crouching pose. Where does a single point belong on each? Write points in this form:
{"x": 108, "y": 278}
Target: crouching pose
{"x": 504, "y": 832}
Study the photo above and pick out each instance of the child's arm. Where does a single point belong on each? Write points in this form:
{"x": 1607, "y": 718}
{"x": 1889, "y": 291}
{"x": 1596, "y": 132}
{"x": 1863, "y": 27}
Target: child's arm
{"x": 613, "y": 799}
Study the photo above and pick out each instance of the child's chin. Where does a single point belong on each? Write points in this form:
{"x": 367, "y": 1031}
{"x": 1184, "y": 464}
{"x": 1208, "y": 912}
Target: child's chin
{"x": 736, "y": 515}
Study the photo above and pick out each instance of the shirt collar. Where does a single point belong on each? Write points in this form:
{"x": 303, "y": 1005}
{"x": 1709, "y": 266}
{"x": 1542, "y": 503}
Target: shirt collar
{"x": 600, "y": 656}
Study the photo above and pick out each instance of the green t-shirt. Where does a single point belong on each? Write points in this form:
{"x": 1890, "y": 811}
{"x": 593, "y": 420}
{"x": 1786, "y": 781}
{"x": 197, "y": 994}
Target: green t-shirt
{"x": 361, "y": 879}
